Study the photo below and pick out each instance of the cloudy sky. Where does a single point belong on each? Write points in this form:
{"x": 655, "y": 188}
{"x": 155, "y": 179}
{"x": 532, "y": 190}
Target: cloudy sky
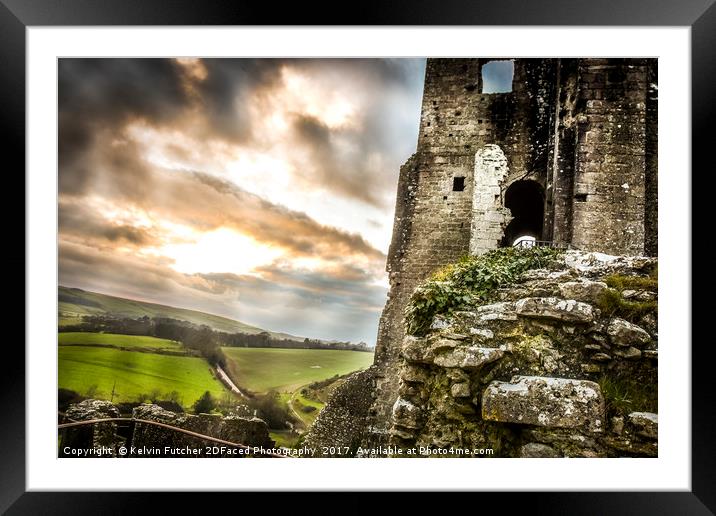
{"x": 262, "y": 190}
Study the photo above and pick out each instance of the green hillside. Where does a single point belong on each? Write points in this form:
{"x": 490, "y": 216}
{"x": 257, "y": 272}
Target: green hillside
{"x": 263, "y": 369}
{"x": 120, "y": 341}
{"x": 96, "y": 371}
{"x": 74, "y": 303}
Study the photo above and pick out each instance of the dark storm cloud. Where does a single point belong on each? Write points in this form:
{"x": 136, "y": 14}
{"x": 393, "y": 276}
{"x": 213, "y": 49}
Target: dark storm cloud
{"x": 344, "y": 159}
{"x": 226, "y": 92}
{"x": 362, "y": 161}
{"x": 111, "y": 89}
{"x": 97, "y": 96}
{"x": 79, "y": 221}
{"x": 339, "y": 169}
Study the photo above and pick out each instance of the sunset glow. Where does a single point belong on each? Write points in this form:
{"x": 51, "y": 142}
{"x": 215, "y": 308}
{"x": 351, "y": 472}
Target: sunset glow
{"x": 222, "y": 250}
{"x": 257, "y": 189}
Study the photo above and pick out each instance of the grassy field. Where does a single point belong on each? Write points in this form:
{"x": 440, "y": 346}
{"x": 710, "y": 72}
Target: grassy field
{"x": 285, "y": 370}
{"x": 297, "y": 402}
{"x": 113, "y": 339}
{"x": 82, "y": 368}
{"x": 74, "y": 302}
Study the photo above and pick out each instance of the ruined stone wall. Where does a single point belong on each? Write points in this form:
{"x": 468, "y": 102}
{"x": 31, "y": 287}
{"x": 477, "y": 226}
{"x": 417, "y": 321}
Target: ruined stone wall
{"x": 122, "y": 439}
{"x": 434, "y": 223}
{"x": 342, "y": 424}
{"x": 560, "y": 191}
{"x": 580, "y": 128}
{"x": 609, "y": 183}
{"x": 651, "y": 183}
{"x": 549, "y": 369}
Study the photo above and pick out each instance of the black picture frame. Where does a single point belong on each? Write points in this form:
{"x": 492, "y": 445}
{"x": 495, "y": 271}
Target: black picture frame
{"x": 17, "y": 15}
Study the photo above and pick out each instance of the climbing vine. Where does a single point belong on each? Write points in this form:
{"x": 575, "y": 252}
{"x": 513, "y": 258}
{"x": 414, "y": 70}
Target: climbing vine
{"x": 472, "y": 280}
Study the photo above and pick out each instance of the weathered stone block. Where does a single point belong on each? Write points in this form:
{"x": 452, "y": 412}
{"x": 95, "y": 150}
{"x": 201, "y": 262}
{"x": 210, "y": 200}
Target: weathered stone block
{"x": 460, "y": 390}
{"x": 584, "y": 262}
{"x": 471, "y": 357}
{"x": 414, "y": 374}
{"x": 630, "y": 353}
{"x": 555, "y": 308}
{"x": 624, "y": 333}
{"x": 590, "y": 368}
{"x": 618, "y": 425}
{"x": 98, "y": 435}
{"x": 481, "y": 334}
{"x": 439, "y": 323}
{"x": 538, "y": 451}
{"x": 406, "y": 414}
{"x": 545, "y": 401}
{"x": 503, "y": 311}
{"x": 249, "y": 431}
{"x": 439, "y": 345}
{"x": 414, "y": 348}
{"x": 585, "y": 290}
{"x": 646, "y": 424}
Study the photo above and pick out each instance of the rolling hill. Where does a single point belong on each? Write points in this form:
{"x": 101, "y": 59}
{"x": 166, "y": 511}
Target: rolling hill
{"x": 285, "y": 370}
{"x": 74, "y": 303}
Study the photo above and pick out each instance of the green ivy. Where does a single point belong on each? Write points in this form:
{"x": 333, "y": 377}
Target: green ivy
{"x": 472, "y": 280}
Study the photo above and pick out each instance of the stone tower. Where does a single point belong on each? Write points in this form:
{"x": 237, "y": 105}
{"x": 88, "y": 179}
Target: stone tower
{"x": 563, "y": 150}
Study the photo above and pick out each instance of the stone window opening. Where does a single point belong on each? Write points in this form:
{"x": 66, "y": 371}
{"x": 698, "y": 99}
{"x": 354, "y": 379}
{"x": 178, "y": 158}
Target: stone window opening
{"x": 458, "y": 184}
{"x": 525, "y": 200}
{"x": 497, "y": 76}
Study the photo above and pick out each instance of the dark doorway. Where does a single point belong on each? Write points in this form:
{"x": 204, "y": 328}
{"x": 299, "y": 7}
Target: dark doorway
{"x": 525, "y": 199}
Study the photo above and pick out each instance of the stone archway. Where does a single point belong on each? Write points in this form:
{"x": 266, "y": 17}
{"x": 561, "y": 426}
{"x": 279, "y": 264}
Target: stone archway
{"x": 525, "y": 200}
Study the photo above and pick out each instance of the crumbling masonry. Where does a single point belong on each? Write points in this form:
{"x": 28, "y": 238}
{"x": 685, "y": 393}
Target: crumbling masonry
{"x": 567, "y": 153}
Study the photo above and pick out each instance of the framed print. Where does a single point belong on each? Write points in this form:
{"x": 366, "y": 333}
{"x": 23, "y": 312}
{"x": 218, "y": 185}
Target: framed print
{"x": 460, "y": 242}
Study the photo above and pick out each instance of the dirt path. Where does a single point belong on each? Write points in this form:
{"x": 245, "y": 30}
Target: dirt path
{"x": 290, "y": 406}
{"x": 225, "y": 378}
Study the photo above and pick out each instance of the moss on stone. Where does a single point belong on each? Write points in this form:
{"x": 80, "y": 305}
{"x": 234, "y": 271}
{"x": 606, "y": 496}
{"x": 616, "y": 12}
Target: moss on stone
{"x": 623, "y": 282}
{"x": 612, "y": 303}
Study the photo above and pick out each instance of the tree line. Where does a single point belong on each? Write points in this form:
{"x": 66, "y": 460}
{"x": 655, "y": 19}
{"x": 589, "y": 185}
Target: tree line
{"x": 202, "y": 338}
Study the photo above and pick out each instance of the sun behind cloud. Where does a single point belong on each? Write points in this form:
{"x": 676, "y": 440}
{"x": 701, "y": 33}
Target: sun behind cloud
{"x": 222, "y": 250}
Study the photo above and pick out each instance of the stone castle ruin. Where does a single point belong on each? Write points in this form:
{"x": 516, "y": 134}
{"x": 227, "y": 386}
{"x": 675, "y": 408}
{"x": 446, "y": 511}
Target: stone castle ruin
{"x": 557, "y": 150}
